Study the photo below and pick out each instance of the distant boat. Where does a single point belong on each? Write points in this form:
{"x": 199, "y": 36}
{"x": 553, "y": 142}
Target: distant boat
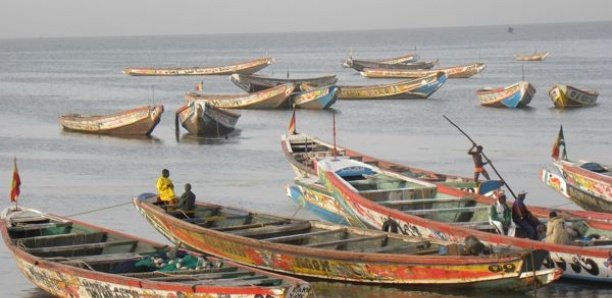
{"x": 267, "y": 99}
{"x": 461, "y": 71}
{"x": 517, "y": 95}
{"x": 254, "y": 83}
{"x": 510, "y": 30}
{"x": 565, "y": 96}
{"x": 360, "y": 65}
{"x": 536, "y": 56}
{"x": 137, "y": 121}
{"x": 320, "y": 98}
{"x": 407, "y": 58}
{"x": 200, "y": 118}
{"x": 247, "y": 67}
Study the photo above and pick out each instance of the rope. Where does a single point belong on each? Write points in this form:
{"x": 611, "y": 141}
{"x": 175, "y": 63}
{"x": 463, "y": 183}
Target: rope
{"x": 297, "y": 210}
{"x": 99, "y": 209}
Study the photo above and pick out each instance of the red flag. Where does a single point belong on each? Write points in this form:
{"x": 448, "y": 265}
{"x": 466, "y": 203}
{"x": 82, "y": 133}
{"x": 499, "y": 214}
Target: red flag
{"x": 292, "y": 124}
{"x": 560, "y": 141}
{"x": 16, "y": 183}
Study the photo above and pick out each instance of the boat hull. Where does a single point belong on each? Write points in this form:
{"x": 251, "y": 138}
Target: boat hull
{"x": 323, "y": 206}
{"x": 360, "y": 65}
{"x": 202, "y": 119}
{"x": 254, "y": 83}
{"x": 564, "y": 96}
{"x": 248, "y": 67}
{"x": 532, "y": 57}
{"x": 586, "y": 185}
{"x": 462, "y": 71}
{"x": 316, "y": 99}
{"x": 581, "y": 198}
{"x": 272, "y": 98}
{"x": 420, "y": 88}
{"x": 517, "y": 95}
{"x": 138, "y": 121}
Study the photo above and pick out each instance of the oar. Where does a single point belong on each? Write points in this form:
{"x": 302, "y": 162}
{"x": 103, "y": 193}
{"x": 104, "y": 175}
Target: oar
{"x": 488, "y": 160}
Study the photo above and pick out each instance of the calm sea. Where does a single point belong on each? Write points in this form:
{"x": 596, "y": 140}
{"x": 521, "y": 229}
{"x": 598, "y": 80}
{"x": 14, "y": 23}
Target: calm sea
{"x": 66, "y": 173}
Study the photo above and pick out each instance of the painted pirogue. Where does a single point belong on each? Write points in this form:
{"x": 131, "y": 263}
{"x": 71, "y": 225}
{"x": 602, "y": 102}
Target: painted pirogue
{"x": 517, "y": 95}
{"x": 437, "y": 209}
{"x": 461, "y": 71}
{"x": 68, "y": 258}
{"x": 565, "y": 96}
{"x": 137, "y": 121}
{"x": 246, "y": 67}
{"x": 403, "y": 59}
{"x": 274, "y": 97}
{"x": 333, "y": 252}
{"x": 360, "y": 65}
{"x": 536, "y": 56}
{"x": 407, "y": 89}
{"x": 254, "y": 83}
{"x": 200, "y": 118}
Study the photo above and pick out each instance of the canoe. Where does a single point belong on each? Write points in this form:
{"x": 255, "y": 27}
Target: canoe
{"x": 360, "y": 65}
{"x": 589, "y": 183}
{"x": 565, "y": 96}
{"x": 315, "y": 99}
{"x": 200, "y": 118}
{"x": 245, "y": 67}
{"x": 517, "y": 95}
{"x": 271, "y": 98}
{"x": 339, "y": 253}
{"x": 303, "y": 152}
{"x": 137, "y": 121}
{"x": 69, "y": 258}
{"x": 407, "y": 89}
{"x": 461, "y": 71}
{"x": 254, "y": 83}
{"x": 536, "y": 56}
{"x": 407, "y": 58}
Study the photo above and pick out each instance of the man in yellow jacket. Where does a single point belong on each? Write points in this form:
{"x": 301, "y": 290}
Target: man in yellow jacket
{"x": 165, "y": 188}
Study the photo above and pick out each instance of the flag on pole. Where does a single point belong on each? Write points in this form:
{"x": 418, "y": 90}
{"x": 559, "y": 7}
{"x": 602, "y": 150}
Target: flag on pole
{"x": 16, "y": 182}
{"x": 200, "y": 86}
{"x": 292, "y": 123}
{"x": 560, "y": 141}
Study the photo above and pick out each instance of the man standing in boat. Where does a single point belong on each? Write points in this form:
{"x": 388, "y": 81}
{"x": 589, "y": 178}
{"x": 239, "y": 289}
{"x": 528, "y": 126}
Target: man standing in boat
{"x": 165, "y": 188}
{"x": 476, "y": 153}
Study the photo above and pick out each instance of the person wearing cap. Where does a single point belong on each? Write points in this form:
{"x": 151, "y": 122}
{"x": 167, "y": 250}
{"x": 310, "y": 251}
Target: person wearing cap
{"x": 500, "y": 216}
{"x": 476, "y": 153}
{"x": 523, "y": 218}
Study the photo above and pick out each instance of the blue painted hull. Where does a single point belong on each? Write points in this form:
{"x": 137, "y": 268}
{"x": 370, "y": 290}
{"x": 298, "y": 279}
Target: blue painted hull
{"x": 296, "y": 195}
{"x": 317, "y": 102}
{"x": 428, "y": 89}
{"x": 518, "y": 95}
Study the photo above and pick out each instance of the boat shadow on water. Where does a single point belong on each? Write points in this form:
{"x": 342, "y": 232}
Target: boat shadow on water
{"x": 112, "y": 138}
{"x": 209, "y": 140}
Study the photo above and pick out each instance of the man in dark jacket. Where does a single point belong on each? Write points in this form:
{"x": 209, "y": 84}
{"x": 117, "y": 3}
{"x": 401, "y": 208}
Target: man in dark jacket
{"x": 187, "y": 200}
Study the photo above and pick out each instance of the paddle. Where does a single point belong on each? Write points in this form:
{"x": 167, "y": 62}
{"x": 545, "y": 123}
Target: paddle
{"x": 483, "y": 154}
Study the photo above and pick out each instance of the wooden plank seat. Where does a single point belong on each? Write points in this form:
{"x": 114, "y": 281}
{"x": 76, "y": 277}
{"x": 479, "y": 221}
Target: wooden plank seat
{"x": 250, "y": 226}
{"x": 170, "y": 276}
{"x": 93, "y": 259}
{"x": 30, "y": 227}
{"x": 346, "y": 241}
{"x": 148, "y": 275}
{"x": 421, "y": 201}
{"x": 61, "y": 239}
{"x": 303, "y": 235}
{"x": 457, "y": 209}
{"x": 262, "y": 232}
{"x": 77, "y": 247}
{"x": 210, "y": 220}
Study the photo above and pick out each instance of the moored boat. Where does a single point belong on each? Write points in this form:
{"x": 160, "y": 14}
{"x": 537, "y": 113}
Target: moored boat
{"x": 246, "y": 67}
{"x": 407, "y": 89}
{"x": 138, "y": 121}
{"x": 536, "y": 56}
{"x": 333, "y": 252}
{"x": 360, "y": 65}
{"x": 403, "y": 59}
{"x": 319, "y": 98}
{"x": 200, "y": 118}
{"x": 272, "y": 98}
{"x": 69, "y": 258}
{"x": 517, "y": 95}
{"x": 461, "y": 71}
{"x": 565, "y": 96}
{"x": 254, "y": 83}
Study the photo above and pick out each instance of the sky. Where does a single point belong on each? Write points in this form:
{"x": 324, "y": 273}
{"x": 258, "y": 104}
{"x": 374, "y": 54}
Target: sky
{"x": 83, "y": 18}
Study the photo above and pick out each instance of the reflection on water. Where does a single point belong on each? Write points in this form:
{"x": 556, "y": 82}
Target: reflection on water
{"x": 110, "y": 138}
{"x": 188, "y": 138}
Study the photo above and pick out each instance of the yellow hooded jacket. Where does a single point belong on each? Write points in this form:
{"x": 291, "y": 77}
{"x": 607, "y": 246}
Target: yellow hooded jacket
{"x": 165, "y": 189}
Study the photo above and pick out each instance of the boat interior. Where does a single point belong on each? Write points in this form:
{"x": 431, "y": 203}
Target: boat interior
{"x": 70, "y": 243}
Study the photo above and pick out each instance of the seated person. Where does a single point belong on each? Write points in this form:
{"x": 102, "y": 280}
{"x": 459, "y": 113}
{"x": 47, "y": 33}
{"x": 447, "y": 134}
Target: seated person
{"x": 165, "y": 188}
{"x": 187, "y": 200}
{"x": 556, "y": 231}
{"x": 523, "y": 218}
{"x": 500, "y": 216}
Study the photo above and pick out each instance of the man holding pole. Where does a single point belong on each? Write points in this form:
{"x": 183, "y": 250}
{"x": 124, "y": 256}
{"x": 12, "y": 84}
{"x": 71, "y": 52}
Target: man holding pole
{"x": 476, "y": 153}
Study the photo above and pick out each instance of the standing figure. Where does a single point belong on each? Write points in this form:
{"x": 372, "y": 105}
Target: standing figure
{"x": 165, "y": 188}
{"x": 476, "y": 153}
{"x": 187, "y": 200}
{"x": 523, "y": 218}
{"x": 500, "y": 216}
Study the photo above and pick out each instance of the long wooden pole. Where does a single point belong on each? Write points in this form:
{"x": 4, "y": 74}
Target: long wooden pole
{"x": 483, "y": 154}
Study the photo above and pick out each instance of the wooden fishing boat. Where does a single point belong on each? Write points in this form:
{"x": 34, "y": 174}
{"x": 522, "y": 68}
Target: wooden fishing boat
{"x": 254, "y": 83}
{"x": 271, "y": 98}
{"x": 403, "y": 59}
{"x": 565, "y": 96}
{"x": 200, "y": 118}
{"x": 245, "y": 67}
{"x": 589, "y": 183}
{"x": 137, "y": 121}
{"x": 517, "y": 95}
{"x": 461, "y": 71}
{"x": 68, "y": 258}
{"x": 333, "y": 252}
{"x": 316, "y": 99}
{"x": 360, "y": 65}
{"x": 407, "y": 89}
{"x": 462, "y": 217}
{"x": 536, "y": 56}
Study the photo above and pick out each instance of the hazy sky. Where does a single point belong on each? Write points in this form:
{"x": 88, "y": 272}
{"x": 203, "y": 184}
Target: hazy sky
{"x": 61, "y": 18}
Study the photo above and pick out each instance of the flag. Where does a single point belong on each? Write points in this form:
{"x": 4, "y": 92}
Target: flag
{"x": 200, "y": 86}
{"x": 16, "y": 182}
{"x": 557, "y": 146}
{"x": 292, "y": 124}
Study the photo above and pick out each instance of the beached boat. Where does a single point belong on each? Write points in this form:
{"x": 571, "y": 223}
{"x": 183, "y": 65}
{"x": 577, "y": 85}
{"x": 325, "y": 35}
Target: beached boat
{"x": 200, "y": 118}
{"x": 254, "y": 83}
{"x": 68, "y": 258}
{"x": 407, "y": 89}
{"x": 536, "y": 56}
{"x": 274, "y": 97}
{"x": 565, "y": 96}
{"x": 340, "y": 253}
{"x": 461, "y": 71}
{"x": 517, "y": 95}
{"x": 315, "y": 99}
{"x": 403, "y": 59}
{"x": 137, "y": 121}
{"x": 360, "y": 65}
{"x": 246, "y": 67}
